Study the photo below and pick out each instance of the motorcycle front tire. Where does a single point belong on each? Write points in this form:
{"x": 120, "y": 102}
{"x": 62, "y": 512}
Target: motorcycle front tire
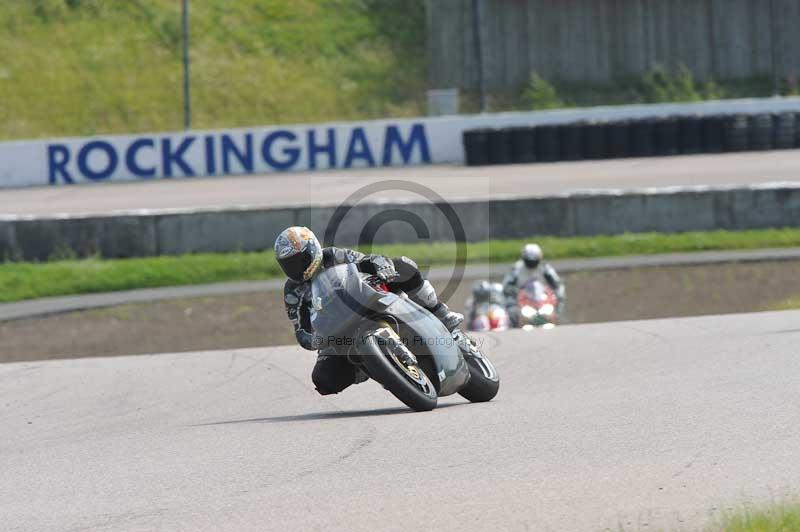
{"x": 383, "y": 369}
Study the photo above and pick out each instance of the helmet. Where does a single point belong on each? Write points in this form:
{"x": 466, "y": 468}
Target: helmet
{"x": 481, "y": 291}
{"x": 298, "y": 253}
{"x": 532, "y": 255}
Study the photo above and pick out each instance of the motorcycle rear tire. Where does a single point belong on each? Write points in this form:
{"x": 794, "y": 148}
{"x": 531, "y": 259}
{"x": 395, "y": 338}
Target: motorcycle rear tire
{"x": 481, "y": 387}
{"x": 382, "y": 369}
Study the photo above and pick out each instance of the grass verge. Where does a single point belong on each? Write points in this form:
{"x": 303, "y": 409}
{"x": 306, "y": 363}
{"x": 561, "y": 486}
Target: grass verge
{"x": 783, "y": 518}
{"x": 21, "y": 281}
{"x": 792, "y": 303}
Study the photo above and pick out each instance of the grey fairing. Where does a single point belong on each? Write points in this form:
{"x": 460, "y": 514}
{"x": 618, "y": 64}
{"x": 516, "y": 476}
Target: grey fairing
{"x": 344, "y": 299}
{"x": 424, "y": 334}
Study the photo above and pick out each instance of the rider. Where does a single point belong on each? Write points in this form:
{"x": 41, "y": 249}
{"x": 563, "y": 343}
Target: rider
{"x": 301, "y": 257}
{"x": 483, "y": 292}
{"x": 527, "y": 268}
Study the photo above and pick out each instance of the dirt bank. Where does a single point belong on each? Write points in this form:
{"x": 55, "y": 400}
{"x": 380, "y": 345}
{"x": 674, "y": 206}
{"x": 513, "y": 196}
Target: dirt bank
{"x": 253, "y": 320}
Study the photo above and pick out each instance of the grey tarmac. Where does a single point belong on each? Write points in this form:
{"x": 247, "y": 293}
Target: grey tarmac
{"x": 634, "y": 425}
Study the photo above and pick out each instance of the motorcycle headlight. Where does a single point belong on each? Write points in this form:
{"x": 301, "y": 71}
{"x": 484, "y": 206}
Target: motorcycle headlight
{"x": 528, "y": 311}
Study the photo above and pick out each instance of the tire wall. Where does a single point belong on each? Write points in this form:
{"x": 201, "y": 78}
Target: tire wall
{"x": 644, "y": 137}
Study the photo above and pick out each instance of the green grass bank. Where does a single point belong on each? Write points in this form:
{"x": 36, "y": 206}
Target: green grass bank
{"x": 21, "y": 281}
{"x": 83, "y": 67}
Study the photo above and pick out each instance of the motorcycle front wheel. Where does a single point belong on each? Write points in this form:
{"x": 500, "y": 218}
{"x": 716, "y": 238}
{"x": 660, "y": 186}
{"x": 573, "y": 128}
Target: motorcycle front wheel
{"x": 408, "y": 383}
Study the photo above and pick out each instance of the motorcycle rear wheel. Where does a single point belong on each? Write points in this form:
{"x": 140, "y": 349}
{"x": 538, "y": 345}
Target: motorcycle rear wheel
{"x": 418, "y": 393}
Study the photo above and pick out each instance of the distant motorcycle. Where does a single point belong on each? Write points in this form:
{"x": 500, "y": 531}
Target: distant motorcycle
{"x": 490, "y": 317}
{"x": 537, "y": 306}
{"x": 486, "y": 308}
{"x": 397, "y": 342}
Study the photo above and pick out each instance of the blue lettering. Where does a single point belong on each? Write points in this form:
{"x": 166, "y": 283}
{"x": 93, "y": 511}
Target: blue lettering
{"x": 83, "y": 160}
{"x": 245, "y": 158}
{"x": 130, "y": 158}
{"x": 314, "y": 148}
{"x": 416, "y": 137}
{"x": 358, "y": 148}
{"x": 169, "y": 157}
{"x": 292, "y": 154}
{"x": 57, "y": 159}
{"x": 211, "y": 159}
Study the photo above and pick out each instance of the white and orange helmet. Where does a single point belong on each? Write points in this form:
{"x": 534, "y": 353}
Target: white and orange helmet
{"x": 298, "y": 253}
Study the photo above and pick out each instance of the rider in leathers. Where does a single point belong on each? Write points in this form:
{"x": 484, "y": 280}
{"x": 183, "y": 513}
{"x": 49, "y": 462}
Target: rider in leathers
{"x": 528, "y": 267}
{"x": 301, "y": 257}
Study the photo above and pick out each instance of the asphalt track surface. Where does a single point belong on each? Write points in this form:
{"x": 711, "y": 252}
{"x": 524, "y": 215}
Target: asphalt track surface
{"x": 640, "y": 425}
{"x": 451, "y": 182}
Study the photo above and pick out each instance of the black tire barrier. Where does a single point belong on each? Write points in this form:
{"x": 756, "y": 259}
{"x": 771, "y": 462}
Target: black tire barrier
{"x": 666, "y": 136}
{"x": 643, "y": 138}
{"x": 784, "y": 130}
{"x": 618, "y": 135}
{"x": 760, "y": 132}
{"x": 690, "y": 135}
{"x": 737, "y": 133}
{"x": 632, "y": 138}
{"x": 797, "y": 130}
{"x": 499, "y": 147}
{"x": 595, "y": 145}
{"x": 476, "y": 147}
{"x": 713, "y": 133}
{"x": 570, "y": 141}
{"x": 547, "y": 147}
{"x": 523, "y": 144}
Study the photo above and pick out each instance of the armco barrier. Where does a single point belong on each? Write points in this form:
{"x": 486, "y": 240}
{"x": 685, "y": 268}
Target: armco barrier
{"x": 667, "y": 135}
{"x": 602, "y": 212}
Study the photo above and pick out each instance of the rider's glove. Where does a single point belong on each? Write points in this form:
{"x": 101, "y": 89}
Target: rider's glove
{"x": 384, "y": 268}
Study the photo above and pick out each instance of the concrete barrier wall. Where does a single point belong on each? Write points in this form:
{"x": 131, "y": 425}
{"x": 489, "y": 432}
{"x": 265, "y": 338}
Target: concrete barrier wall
{"x": 674, "y": 209}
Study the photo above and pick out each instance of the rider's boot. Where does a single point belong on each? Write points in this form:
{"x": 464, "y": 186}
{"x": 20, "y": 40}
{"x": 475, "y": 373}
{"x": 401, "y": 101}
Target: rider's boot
{"x": 426, "y": 297}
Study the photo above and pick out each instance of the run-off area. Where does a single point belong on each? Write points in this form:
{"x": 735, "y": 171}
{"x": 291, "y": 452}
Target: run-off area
{"x": 258, "y": 319}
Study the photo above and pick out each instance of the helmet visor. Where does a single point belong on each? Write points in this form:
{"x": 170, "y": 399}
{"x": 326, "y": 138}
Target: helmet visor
{"x": 295, "y": 266}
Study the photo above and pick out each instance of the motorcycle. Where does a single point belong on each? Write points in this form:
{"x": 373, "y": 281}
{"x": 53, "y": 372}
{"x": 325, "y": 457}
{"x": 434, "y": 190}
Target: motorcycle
{"x": 486, "y": 309}
{"x": 397, "y": 342}
{"x": 537, "y": 306}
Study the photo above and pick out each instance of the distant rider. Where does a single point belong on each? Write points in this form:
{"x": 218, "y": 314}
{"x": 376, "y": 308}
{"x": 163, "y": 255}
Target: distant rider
{"x": 301, "y": 257}
{"x": 483, "y": 292}
{"x": 530, "y": 267}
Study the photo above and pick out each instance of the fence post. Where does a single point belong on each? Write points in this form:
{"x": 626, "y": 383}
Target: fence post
{"x": 476, "y": 28}
{"x": 187, "y": 94}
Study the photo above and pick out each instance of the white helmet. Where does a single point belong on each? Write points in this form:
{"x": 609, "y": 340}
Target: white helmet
{"x": 298, "y": 253}
{"x": 532, "y": 255}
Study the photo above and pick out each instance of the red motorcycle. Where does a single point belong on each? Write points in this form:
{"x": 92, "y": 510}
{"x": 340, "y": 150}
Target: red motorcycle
{"x": 537, "y": 306}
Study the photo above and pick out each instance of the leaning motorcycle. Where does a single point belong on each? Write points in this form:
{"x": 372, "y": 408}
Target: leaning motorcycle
{"x": 397, "y": 342}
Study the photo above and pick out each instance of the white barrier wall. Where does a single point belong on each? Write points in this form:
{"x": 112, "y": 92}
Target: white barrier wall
{"x": 294, "y": 148}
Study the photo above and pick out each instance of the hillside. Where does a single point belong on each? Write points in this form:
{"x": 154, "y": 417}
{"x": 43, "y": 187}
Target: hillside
{"x": 80, "y": 67}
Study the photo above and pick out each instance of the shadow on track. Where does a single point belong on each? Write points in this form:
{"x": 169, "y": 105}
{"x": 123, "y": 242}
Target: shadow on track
{"x": 326, "y": 415}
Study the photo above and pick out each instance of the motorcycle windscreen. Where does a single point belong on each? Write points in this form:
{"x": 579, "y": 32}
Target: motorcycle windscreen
{"x": 340, "y": 299}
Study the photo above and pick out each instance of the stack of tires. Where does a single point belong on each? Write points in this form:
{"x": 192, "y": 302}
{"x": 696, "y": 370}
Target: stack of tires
{"x": 646, "y": 137}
